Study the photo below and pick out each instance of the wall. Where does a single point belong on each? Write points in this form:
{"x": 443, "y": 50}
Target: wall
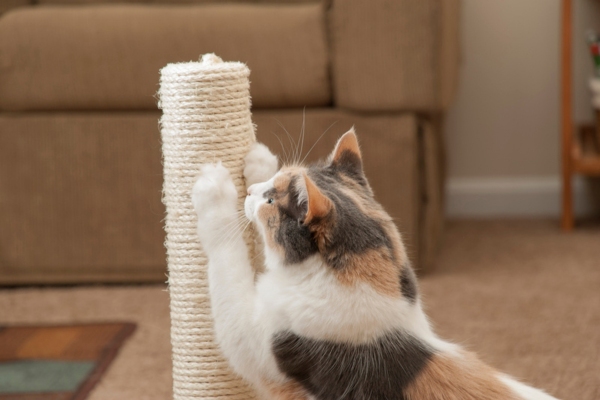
{"x": 503, "y": 129}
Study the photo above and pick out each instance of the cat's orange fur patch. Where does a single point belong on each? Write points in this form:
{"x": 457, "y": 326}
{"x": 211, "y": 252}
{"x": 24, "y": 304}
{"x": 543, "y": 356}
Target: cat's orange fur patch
{"x": 318, "y": 204}
{"x": 458, "y": 378}
{"x": 290, "y": 390}
{"x": 269, "y": 215}
{"x": 399, "y": 249}
{"x": 374, "y": 211}
{"x": 374, "y": 267}
{"x": 281, "y": 182}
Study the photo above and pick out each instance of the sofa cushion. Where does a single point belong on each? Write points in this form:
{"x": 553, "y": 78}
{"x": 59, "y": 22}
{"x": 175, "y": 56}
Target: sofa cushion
{"x": 82, "y": 201}
{"x": 394, "y": 54}
{"x": 89, "y": 1}
{"x": 6, "y": 5}
{"x": 164, "y": 1}
{"x": 108, "y": 57}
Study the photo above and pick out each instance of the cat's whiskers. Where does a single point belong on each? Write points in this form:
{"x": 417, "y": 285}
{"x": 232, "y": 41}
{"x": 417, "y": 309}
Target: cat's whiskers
{"x": 283, "y": 149}
{"x": 291, "y": 140}
{"x": 236, "y": 215}
{"x": 227, "y": 243}
{"x": 227, "y": 230}
{"x": 231, "y": 242}
{"x": 302, "y": 134}
{"x": 317, "y": 141}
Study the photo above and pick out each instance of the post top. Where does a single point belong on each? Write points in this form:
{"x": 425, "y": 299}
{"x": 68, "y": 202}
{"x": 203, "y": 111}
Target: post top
{"x": 208, "y": 65}
{"x": 210, "y": 58}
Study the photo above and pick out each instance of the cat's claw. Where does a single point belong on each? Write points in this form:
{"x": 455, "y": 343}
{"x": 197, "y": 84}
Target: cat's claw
{"x": 261, "y": 164}
{"x": 214, "y": 194}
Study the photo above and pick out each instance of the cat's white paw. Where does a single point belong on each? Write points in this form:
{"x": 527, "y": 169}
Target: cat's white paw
{"x": 261, "y": 164}
{"x": 214, "y": 196}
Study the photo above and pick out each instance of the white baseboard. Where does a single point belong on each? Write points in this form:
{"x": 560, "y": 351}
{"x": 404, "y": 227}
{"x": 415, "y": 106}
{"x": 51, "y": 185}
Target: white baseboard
{"x": 514, "y": 197}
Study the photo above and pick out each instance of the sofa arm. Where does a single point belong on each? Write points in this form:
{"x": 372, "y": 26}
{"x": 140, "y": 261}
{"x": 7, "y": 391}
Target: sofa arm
{"x": 392, "y": 55}
{"x": 6, "y": 5}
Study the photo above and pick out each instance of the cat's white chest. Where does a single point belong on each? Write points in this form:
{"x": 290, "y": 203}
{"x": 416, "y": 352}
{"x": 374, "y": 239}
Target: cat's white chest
{"x": 308, "y": 300}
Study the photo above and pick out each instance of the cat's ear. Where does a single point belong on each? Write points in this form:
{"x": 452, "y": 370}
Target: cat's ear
{"x": 346, "y": 154}
{"x": 318, "y": 205}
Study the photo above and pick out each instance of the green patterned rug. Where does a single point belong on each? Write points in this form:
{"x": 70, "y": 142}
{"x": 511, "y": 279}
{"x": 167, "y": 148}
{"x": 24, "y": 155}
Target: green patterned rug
{"x": 57, "y": 362}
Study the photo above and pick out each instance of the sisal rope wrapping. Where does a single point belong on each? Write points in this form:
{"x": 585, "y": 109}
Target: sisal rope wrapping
{"x": 206, "y": 118}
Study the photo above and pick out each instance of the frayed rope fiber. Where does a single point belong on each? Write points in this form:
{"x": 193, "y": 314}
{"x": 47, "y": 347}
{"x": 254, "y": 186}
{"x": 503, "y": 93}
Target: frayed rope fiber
{"x": 206, "y": 118}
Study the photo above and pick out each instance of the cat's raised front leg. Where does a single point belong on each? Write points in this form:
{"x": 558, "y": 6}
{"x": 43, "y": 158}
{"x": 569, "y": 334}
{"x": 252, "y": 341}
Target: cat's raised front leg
{"x": 238, "y": 331}
{"x": 261, "y": 164}
{"x": 215, "y": 198}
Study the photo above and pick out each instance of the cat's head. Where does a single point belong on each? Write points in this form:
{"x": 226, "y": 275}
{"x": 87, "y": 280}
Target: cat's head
{"x": 328, "y": 209}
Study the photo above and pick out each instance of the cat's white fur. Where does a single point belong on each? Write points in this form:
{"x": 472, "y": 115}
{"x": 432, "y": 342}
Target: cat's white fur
{"x": 306, "y": 299}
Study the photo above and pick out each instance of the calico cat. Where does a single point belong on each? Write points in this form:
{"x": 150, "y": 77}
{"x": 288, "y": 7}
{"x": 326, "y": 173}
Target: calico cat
{"x": 337, "y": 313}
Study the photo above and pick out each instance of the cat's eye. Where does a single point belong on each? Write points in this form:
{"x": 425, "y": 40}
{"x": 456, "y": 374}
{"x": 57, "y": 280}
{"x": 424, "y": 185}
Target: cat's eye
{"x": 270, "y": 201}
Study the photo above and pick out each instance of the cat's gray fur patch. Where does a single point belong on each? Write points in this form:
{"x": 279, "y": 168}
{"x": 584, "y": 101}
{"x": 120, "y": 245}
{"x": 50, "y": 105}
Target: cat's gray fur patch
{"x": 381, "y": 369}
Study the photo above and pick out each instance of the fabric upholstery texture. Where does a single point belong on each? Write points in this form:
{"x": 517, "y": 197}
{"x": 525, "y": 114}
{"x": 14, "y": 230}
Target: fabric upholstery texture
{"x": 86, "y": 207}
{"x": 86, "y": 203}
{"x": 168, "y": 2}
{"x": 394, "y": 54}
{"x": 86, "y": 2}
{"x": 6, "y": 5}
{"x": 107, "y": 57}
{"x": 431, "y": 192}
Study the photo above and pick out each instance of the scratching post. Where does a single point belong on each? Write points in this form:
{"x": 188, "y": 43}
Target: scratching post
{"x": 206, "y": 118}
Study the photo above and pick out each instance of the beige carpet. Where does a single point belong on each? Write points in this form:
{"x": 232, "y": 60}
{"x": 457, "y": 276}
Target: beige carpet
{"x": 522, "y": 294}
{"x": 526, "y": 297}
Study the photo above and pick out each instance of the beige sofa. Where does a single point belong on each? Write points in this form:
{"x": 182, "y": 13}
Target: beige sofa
{"x": 80, "y": 163}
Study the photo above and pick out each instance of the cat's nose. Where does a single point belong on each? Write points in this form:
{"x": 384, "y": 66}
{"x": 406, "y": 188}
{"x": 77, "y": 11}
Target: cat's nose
{"x": 249, "y": 191}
